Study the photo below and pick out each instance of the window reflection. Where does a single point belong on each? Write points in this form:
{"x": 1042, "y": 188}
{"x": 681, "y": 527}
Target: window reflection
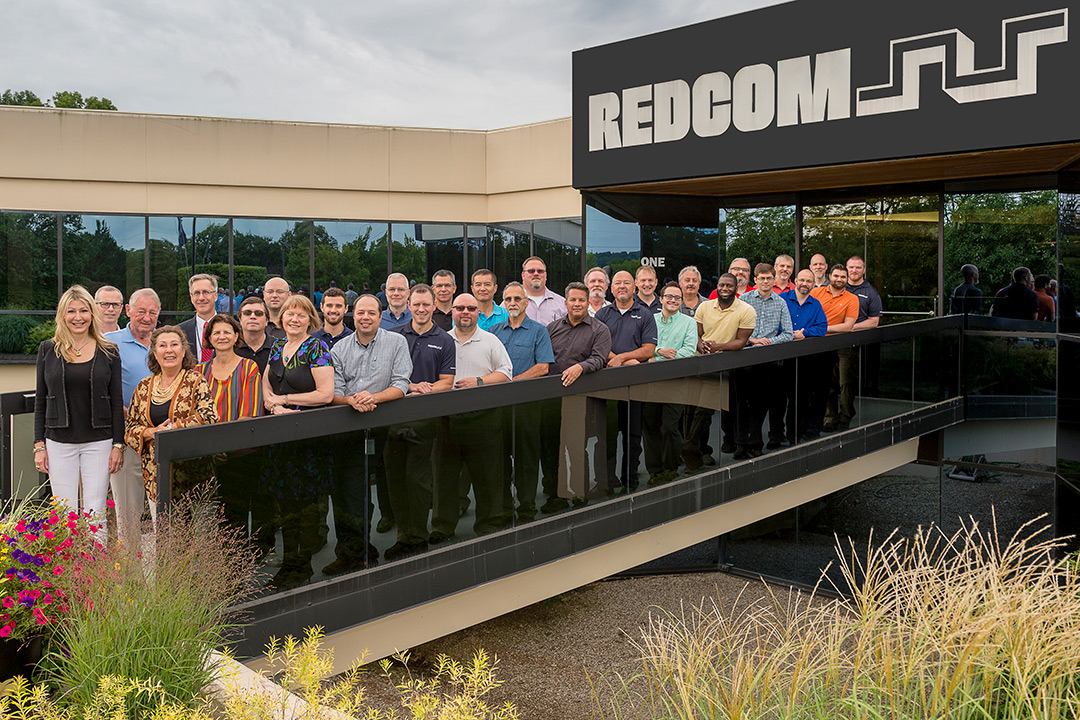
{"x": 104, "y": 250}
{"x": 419, "y": 249}
{"x": 183, "y": 246}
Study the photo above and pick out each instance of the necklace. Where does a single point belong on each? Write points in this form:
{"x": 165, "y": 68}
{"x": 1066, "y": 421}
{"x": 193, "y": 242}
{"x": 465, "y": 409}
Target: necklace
{"x": 162, "y": 394}
{"x": 78, "y": 350}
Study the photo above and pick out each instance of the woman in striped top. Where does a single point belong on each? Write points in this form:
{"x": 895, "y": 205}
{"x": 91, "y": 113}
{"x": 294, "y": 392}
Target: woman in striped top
{"x": 236, "y": 388}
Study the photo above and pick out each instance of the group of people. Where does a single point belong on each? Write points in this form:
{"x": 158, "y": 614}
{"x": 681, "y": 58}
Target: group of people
{"x": 1027, "y": 297}
{"x": 104, "y": 392}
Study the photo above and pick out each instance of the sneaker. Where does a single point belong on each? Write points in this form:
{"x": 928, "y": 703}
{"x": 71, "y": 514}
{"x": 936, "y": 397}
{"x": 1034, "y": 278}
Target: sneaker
{"x": 344, "y": 565}
{"x": 402, "y": 550}
{"x": 740, "y": 453}
{"x": 385, "y": 525}
{"x": 754, "y": 452}
{"x": 554, "y": 505}
{"x": 438, "y": 536}
{"x": 774, "y": 445}
{"x": 828, "y": 427}
{"x": 709, "y": 459}
{"x": 727, "y": 447}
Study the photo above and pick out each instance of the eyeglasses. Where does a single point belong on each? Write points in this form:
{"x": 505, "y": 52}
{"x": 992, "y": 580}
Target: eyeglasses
{"x": 252, "y": 313}
{"x": 110, "y": 305}
{"x": 465, "y": 308}
{"x": 203, "y": 292}
{"x": 671, "y": 297}
{"x": 536, "y": 271}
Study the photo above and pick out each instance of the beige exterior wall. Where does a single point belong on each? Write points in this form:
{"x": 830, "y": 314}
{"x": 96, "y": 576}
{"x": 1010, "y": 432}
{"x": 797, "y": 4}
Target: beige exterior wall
{"x": 110, "y": 162}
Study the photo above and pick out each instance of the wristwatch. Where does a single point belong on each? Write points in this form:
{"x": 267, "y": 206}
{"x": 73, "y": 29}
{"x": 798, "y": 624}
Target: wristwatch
{"x": 479, "y": 382}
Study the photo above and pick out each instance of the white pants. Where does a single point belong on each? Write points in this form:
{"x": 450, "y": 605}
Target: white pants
{"x": 69, "y": 461}
{"x": 129, "y": 495}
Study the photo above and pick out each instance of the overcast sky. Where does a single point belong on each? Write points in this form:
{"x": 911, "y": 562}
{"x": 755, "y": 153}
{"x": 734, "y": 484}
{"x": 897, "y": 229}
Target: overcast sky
{"x": 429, "y": 63}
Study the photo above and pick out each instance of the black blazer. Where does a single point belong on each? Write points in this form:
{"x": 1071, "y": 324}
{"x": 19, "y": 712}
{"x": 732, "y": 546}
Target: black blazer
{"x": 191, "y": 328}
{"x": 106, "y": 393}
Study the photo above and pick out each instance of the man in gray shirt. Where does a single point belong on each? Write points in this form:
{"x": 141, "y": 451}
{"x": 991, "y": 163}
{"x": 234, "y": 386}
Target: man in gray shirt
{"x": 371, "y": 366}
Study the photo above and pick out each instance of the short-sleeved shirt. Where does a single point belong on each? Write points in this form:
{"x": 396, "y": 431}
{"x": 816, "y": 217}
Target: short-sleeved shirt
{"x": 133, "y": 367}
{"x": 444, "y": 320}
{"x": 527, "y": 344}
{"x": 966, "y": 298}
{"x": 808, "y": 316}
{"x": 482, "y": 354}
{"x": 332, "y": 340}
{"x": 260, "y": 355}
{"x": 547, "y": 309}
{"x": 869, "y": 300}
{"x": 678, "y": 332}
{"x": 389, "y": 321}
{"x": 654, "y": 307}
{"x": 838, "y": 308}
{"x": 630, "y": 329}
{"x": 721, "y": 325}
{"x": 498, "y": 315}
{"x": 295, "y": 376}
{"x": 433, "y": 353}
{"x": 689, "y": 311}
{"x": 382, "y": 364}
{"x": 1012, "y": 301}
{"x": 1046, "y": 305}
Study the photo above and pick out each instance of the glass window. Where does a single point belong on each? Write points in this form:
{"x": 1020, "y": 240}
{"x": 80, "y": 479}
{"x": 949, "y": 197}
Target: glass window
{"x": 500, "y": 249}
{"x": 757, "y": 234}
{"x": 350, "y": 252}
{"x": 558, "y": 242}
{"x": 419, "y": 249}
{"x": 181, "y": 247}
{"x": 104, "y": 250}
{"x": 1069, "y": 268}
{"x": 28, "y": 257}
{"x": 611, "y": 243}
{"x": 264, "y": 248}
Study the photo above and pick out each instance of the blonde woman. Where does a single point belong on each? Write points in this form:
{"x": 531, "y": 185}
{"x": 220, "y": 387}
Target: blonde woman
{"x": 79, "y": 406}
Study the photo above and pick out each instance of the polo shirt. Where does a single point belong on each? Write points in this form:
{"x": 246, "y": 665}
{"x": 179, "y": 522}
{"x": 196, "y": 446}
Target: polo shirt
{"x": 444, "y": 320}
{"x": 808, "y": 317}
{"x": 587, "y": 344}
{"x": 548, "y": 309}
{"x": 689, "y": 311}
{"x": 527, "y": 344}
{"x": 433, "y": 353}
{"x": 498, "y": 315}
{"x": 389, "y": 321}
{"x": 630, "y": 329}
{"x": 837, "y": 308}
{"x": 260, "y": 356}
{"x": 966, "y": 298}
{"x": 382, "y": 364}
{"x": 869, "y": 300}
{"x": 1014, "y": 301}
{"x": 679, "y": 332}
{"x": 481, "y": 355}
{"x": 332, "y": 340}
{"x": 720, "y": 325}
{"x": 654, "y": 307}
{"x": 133, "y": 367}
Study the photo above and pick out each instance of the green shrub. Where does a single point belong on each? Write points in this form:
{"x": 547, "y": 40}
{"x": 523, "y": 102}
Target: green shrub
{"x": 41, "y": 332}
{"x": 15, "y": 333}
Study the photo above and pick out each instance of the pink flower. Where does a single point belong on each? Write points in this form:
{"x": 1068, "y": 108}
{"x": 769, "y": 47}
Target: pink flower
{"x": 6, "y": 630}
{"x": 110, "y": 503}
{"x": 93, "y": 528}
{"x": 35, "y": 593}
{"x": 58, "y": 570}
{"x": 46, "y": 584}
{"x": 62, "y": 607}
{"x": 52, "y": 519}
{"x": 29, "y": 537}
{"x": 49, "y": 534}
{"x": 20, "y": 526}
{"x": 47, "y": 599}
{"x": 9, "y": 602}
{"x": 72, "y": 516}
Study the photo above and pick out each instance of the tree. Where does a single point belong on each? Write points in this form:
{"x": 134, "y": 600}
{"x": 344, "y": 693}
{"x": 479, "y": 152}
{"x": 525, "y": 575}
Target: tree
{"x": 62, "y": 99}
{"x": 20, "y": 97}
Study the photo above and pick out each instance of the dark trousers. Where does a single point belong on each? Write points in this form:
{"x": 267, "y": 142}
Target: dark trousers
{"x": 521, "y": 458}
{"x": 300, "y": 521}
{"x": 238, "y": 478}
{"x": 551, "y": 444}
{"x": 661, "y": 436}
{"x": 785, "y": 414}
{"x": 697, "y": 425}
{"x": 841, "y": 404}
{"x": 627, "y": 418}
{"x": 820, "y": 371}
{"x": 753, "y": 391}
{"x": 351, "y": 493}
{"x": 472, "y": 444}
{"x": 409, "y": 476}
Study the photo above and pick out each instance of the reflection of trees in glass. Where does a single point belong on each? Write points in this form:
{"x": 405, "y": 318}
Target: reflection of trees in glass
{"x": 360, "y": 260}
{"x": 1000, "y": 232}
{"x": 758, "y": 234}
{"x": 93, "y": 259}
{"x": 27, "y": 261}
{"x": 679, "y": 246}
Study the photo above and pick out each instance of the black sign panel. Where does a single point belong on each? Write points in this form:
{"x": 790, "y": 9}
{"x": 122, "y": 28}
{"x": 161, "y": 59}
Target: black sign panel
{"x": 816, "y": 82}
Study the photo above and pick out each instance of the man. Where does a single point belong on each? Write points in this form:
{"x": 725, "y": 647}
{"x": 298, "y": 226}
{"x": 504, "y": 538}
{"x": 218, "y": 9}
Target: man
{"x": 483, "y": 288}
{"x": 676, "y": 338}
{"x": 529, "y": 347}
{"x": 444, "y": 286}
{"x": 633, "y": 341}
{"x": 690, "y": 285}
{"x": 784, "y": 266}
{"x": 1046, "y": 300}
{"x": 397, "y": 302}
{"x": 110, "y": 303}
{"x": 333, "y": 309}
{"x": 966, "y": 297}
{"x": 841, "y": 311}
{"x": 597, "y": 282}
{"x": 371, "y": 367}
{"x": 820, "y": 267}
{"x": 1017, "y": 301}
{"x": 581, "y": 344}
{"x": 481, "y": 359}
{"x": 409, "y": 446}
{"x": 133, "y": 345}
{"x": 755, "y": 385}
{"x": 544, "y": 305}
{"x": 799, "y": 379}
{"x": 257, "y": 343}
{"x": 350, "y": 295}
{"x": 203, "y": 291}
{"x": 645, "y": 280}
{"x": 724, "y": 325}
{"x": 869, "y": 299}
{"x": 275, "y": 292}
{"x": 740, "y": 268}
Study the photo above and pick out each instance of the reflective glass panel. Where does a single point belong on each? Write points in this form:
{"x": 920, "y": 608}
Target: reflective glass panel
{"x": 104, "y": 250}
{"x": 419, "y": 249}
{"x": 181, "y": 247}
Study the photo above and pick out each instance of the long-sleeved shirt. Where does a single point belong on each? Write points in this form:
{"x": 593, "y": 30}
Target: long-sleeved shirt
{"x": 679, "y": 332}
{"x": 587, "y": 344}
{"x": 384, "y": 363}
{"x": 808, "y": 316}
{"x": 773, "y": 318}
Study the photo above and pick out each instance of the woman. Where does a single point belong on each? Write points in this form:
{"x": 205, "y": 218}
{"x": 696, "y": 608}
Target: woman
{"x": 175, "y": 395}
{"x": 79, "y": 406}
{"x": 299, "y": 375}
{"x": 236, "y": 388}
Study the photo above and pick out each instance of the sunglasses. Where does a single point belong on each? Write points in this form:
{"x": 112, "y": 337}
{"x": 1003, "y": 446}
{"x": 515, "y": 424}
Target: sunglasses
{"x": 465, "y": 308}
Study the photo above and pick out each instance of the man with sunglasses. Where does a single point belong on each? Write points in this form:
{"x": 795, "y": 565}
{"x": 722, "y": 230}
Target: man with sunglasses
{"x": 254, "y": 317}
{"x": 545, "y": 306}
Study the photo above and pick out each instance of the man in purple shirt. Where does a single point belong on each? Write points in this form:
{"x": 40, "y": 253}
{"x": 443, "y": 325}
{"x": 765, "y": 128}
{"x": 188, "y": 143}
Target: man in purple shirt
{"x": 544, "y": 306}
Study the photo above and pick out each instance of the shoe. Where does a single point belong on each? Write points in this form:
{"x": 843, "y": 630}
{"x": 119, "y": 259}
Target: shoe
{"x": 727, "y": 447}
{"x": 842, "y": 426}
{"x": 809, "y": 436}
{"x": 289, "y": 579}
{"x": 740, "y": 453}
{"x": 754, "y": 452}
{"x": 402, "y": 550}
{"x": 343, "y": 565}
{"x": 579, "y": 502}
{"x": 385, "y": 525}
{"x": 554, "y": 505}
{"x": 774, "y": 445}
{"x": 438, "y": 536}
{"x": 708, "y": 459}
{"x": 828, "y": 427}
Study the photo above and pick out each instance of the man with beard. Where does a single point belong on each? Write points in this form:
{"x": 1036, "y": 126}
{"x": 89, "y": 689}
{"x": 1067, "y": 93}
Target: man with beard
{"x": 545, "y": 306}
{"x": 333, "y": 309}
{"x": 596, "y": 280}
{"x": 690, "y": 285}
{"x": 800, "y": 380}
{"x": 841, "y": 310}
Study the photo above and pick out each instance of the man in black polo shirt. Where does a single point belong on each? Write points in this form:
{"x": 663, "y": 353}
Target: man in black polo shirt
{"x": 1017, "y": 301}
{"x": 254, "y": 317}
{"x": 444, "y": 286}
{"x": 633, "y": 341}
{"x": 409, "y": 445}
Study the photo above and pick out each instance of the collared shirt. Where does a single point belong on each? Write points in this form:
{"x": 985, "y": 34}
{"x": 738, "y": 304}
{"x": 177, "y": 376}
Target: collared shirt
{"x": 592, "y": 313}
{"x": 808, "y": 316}
{"x": 869, "y": 300}
{"x": 720, "y": 325}
{"x": 133, "y": 366}
{"x": 381, "y": 364}
{"x": 444, "y": 320}
{"x": 498, "y": 315}
{"x": 433, "y": 353}
{"x": 332, "y": 340}
{"x": 689, "y": 311}
{"x": 527, "y": 344}
{"x": 587, "y": 344}
{"x": 482, "y": 354}
{"x": 548, "y": 309}
{"x": 630, "y": 329}
{"x": 654, "y": 306}
{"x": 966, "y": 298}
{"x": 679, "y": 332}
{"x": 260, "y": 355}
{"x": 1015, "y": 301}
{"x": 838, "y": 308}
{"x": 389, "y": 321}
{"x": 773, "y": 319}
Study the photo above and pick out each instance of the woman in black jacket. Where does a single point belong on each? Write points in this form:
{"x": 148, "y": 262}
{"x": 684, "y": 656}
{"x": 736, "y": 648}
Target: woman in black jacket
{"x": 79, "y": 411}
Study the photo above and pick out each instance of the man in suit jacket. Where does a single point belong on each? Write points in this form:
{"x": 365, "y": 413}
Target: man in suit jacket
{"x": 203, "y": 289}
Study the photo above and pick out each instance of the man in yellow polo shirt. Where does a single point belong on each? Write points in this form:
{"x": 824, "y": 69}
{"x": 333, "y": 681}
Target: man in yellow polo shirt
{"x": 723, "y": 324}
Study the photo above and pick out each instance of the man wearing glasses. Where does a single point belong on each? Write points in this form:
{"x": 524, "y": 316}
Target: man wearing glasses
{"x": 203, "y": 290}
{"x": 257, "y": 342}
{"x": 110, "y": 302}
{"x": 544, "y": 306}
